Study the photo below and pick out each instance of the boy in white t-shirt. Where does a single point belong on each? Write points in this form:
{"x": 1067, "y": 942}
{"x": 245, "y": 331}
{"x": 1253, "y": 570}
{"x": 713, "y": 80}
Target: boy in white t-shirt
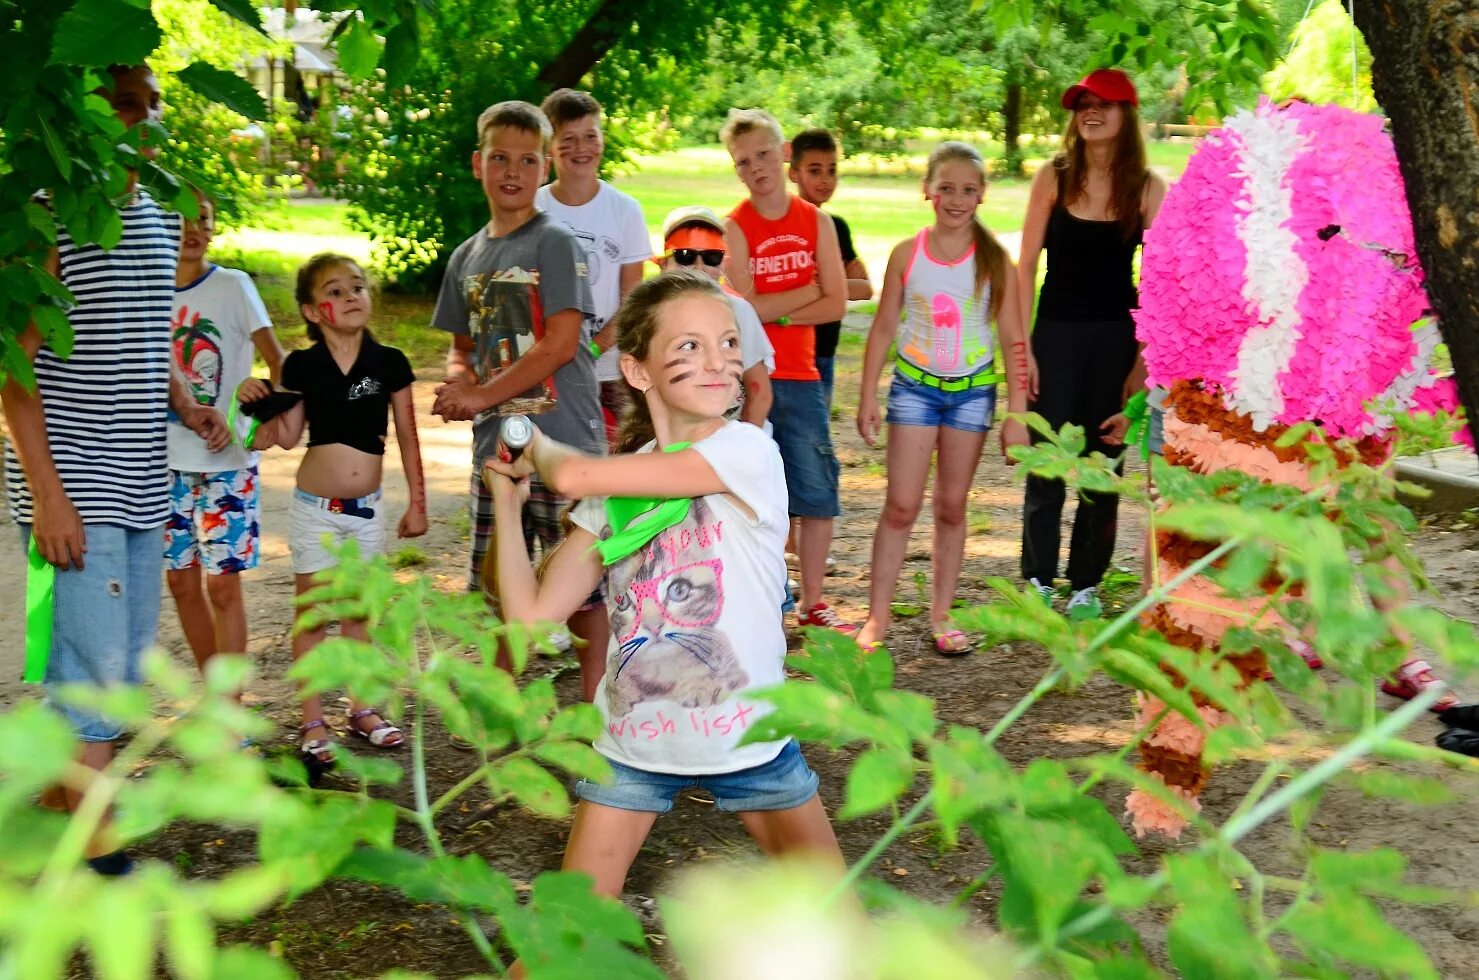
{"x": 608, "y": 223}
{"x": 214, "y": 497}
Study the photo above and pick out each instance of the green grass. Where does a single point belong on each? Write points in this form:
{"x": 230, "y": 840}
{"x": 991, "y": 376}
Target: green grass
{"x": 881, "y": 198}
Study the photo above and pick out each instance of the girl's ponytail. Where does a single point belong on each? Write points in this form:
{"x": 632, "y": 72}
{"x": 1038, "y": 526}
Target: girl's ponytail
{"x": 991, "y": 266}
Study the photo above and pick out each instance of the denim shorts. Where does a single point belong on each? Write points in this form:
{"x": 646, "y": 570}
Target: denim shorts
{"x": 104, "y": 617}
{"x": 1156, "y": 425}
{"x": 783, "y": 783}
{"x": 913, "y": 402}
{"x": 798, "y": 412}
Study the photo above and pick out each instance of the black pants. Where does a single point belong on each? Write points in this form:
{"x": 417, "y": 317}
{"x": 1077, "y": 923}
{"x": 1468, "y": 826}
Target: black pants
{"x": 1081, "y": 375}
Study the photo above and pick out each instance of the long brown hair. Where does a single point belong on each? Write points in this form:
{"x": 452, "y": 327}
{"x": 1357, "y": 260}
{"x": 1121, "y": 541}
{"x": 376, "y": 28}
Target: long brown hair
{"x": 636, "y": 324}
{"x": 991, "y": 257}
{"x": 1127, "y": 170}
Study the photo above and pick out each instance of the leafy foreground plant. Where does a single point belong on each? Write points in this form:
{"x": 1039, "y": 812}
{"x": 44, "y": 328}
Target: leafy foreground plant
{"x": 1067, "y": 900}
{"x": 1068, "y": 897}
{"x": 51, "y": 905}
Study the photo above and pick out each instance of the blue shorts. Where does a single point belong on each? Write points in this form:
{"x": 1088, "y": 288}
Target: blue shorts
{"x": 798, "y": 411}
{"x": 913, "y": 402}
{"x": 214, "y": 520}
{"x": 104, "y": 617}
{"x": 783, "y": 783}
{"x": 1156, "y": 431}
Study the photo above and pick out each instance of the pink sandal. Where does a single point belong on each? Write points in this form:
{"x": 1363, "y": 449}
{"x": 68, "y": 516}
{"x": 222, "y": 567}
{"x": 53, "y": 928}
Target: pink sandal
{"x": 1413, "y": 678}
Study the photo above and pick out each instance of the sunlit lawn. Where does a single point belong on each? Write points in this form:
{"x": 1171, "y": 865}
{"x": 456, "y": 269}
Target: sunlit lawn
{"x": 881, "y": 198}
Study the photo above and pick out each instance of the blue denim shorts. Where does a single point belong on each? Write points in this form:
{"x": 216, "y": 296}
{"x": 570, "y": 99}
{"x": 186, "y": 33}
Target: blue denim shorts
{"x": 913, "y": 402}
{"x": 783, "y": 783}
{"x": 798, "y": 411}
{"x": 1156, "y": 432}
{"x": 104, "y": 617}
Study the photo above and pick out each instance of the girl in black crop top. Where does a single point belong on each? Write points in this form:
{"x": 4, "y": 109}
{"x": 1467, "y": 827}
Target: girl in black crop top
{"x": 1089, "y": 208}
{"x": 349, "y": 385}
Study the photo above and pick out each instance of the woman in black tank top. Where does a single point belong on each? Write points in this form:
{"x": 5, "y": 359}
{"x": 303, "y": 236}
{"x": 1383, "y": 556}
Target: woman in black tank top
{"x": 1089, "y": 208}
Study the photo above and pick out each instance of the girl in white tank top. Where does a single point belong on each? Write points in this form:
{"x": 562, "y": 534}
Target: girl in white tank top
{"x": 943, "y": 288}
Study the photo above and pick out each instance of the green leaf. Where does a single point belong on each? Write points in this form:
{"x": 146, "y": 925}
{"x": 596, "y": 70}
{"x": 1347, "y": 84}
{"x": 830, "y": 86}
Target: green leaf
{"x": 1209, "y": 936}
{"x": 243, "y": 10}
{"x": 968, "y": 776}
{"x": 359, "y": 49}
{"x": 532, "y": 786}
{"x": 98, "y": 33}
{"x": 576, "y": 758}
{"x": 55, "y": 328}
{"x": 402, "y": 52}
{"x": 189, "y": 937}
{"x": 878, "y": 778}
{"x": 36, "y": 745}
{"x": 368, "y": 769}
{"x": 580, "y": 721}
{"x": 1352, "y": 929}
{"x": 1047, "y": 863}
{"x": 225, "y": 87}
{"x": 246, "y": 963}
{"x": 41, "y": 220}
{"x": 244, "y": 892}
{"x": 910, "y": 710}
{"x": 122, "y": 934}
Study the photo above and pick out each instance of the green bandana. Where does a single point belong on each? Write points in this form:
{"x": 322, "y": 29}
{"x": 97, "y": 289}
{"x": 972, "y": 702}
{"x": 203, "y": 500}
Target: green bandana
{"x": 630, "y": 530}
{"x": 1138, "y": 412}
{"x": 245, "y": 441}
{"x": 40, "y": 582}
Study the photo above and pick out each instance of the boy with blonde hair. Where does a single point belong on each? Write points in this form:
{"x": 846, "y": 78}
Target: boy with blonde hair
{"x": 524, "y": 276}
{"x": 784, "y": 258}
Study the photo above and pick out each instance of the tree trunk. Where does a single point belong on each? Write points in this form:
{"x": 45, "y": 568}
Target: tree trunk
{"x": 1011, "y": 129}
{"x": 1425, "y": 72}
{"x": 587, "y": 45}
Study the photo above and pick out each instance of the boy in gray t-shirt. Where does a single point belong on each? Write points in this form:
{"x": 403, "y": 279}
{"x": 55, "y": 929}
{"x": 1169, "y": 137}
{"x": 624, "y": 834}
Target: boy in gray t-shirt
{"x": 516, "y": 298}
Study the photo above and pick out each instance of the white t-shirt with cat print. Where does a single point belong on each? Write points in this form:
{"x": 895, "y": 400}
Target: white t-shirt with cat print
{"x": 696, "y": 619}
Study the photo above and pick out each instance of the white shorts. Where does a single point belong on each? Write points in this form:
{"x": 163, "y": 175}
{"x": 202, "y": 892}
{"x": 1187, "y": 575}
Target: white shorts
{"x": 318, "y": 523}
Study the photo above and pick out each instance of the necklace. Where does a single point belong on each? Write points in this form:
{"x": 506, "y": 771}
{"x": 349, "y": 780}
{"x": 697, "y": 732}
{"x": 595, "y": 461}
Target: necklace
{"x": 945, "y": 256}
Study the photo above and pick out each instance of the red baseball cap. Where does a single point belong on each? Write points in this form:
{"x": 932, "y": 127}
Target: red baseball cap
{"x": 1110, "y": 84}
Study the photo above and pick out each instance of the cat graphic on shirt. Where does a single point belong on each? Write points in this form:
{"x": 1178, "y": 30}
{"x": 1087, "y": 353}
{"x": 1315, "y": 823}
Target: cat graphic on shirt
{"x": 669, "y": 596}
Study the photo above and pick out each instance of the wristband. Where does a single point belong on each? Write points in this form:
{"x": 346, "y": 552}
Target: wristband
{"x": 594, "y": 348}
{"x": 783, "y": 321}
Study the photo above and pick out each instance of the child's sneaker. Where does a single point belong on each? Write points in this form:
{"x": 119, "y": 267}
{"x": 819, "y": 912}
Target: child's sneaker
{"x": 824, "y": 615}
{"x": 1047, "y": 592}
{"x": 1084, "y": 604}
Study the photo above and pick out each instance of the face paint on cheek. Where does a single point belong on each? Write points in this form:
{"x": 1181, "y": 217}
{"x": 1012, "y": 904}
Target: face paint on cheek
{"x": 326, "y": 310}
{"x": 681, "y": 375}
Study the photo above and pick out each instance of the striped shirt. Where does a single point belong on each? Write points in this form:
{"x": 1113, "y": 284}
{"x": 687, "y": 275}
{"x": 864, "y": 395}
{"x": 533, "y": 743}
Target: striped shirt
{"x": 105, "y": 406}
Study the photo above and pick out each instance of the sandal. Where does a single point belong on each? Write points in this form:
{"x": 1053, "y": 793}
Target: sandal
{"x": 318, "y": 753}
{"x": 953, "y": 643}
{"x": 382, "y": 736}
{"x": 1413, "y": 678}
{"x": 1307, "y": 654}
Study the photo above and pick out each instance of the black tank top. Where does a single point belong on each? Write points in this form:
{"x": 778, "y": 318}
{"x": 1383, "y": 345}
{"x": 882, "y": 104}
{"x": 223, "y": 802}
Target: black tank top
{"x": 1090, "y": 273}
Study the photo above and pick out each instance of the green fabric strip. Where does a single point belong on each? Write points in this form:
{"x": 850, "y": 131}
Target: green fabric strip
{"x": 1138, "y": 412}
{"x": 40, "y": 591}
{"x": 630, "y": 529}
{"x": 231, "y": 413}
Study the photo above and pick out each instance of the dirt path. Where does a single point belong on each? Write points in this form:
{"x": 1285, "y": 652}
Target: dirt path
{"x": 344, "y": 929}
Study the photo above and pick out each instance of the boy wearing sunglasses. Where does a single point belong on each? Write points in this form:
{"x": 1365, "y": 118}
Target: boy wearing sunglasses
{"x": 693, "y": 238}
{"x": 786, "y": 261}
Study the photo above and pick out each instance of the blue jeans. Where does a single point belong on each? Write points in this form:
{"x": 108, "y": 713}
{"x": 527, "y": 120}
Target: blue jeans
{"x": 104, "y": 616}
{"x": 827, "y": 368}
{"x": 913, "y": 402}
{"x": 804, "y": 436}
{"x": 783, "y": 783}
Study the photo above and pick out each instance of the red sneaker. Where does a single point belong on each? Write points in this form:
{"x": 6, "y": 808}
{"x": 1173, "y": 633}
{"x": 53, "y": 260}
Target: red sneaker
{"x": 1413, "y": 678}
{"x": 824, "y": 615}
{"x": 1307, "y": 654}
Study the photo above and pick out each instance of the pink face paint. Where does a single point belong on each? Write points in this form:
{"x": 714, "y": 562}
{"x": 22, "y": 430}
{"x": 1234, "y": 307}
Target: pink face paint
{"x": 326, "y": 310}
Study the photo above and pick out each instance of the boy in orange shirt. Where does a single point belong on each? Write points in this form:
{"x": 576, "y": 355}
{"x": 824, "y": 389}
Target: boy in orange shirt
{"x": 784, "y": 258}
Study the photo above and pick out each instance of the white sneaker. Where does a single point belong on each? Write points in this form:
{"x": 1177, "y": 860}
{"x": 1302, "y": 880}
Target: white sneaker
{"x": 560, "y": 640}
{"x": 1047, "y": 592}
{"x": 1085, "y": 604}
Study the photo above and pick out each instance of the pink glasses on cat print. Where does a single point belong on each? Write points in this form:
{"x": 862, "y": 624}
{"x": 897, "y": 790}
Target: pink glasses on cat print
{"x": 674, "y": 587}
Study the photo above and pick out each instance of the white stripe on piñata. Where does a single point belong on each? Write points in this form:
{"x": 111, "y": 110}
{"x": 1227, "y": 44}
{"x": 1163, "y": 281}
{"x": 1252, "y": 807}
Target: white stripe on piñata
{"x": 1274, "y": 274}
{"x": 1397, "y": 399}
